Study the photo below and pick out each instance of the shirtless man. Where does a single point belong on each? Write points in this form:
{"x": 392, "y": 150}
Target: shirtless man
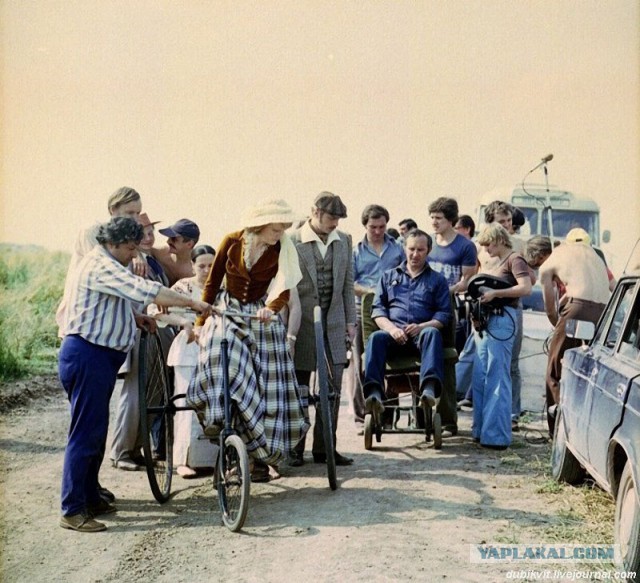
{"x": 582, "y": 274}
{"x": 175, "y": 257}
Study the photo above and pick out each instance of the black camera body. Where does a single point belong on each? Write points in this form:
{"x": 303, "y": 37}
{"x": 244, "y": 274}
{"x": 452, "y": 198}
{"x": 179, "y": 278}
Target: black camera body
{"x": 480, "y": 312}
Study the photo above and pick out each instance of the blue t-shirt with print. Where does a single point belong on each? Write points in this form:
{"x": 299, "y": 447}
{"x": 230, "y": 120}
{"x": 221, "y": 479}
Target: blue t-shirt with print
{"x": 450, "y": 259}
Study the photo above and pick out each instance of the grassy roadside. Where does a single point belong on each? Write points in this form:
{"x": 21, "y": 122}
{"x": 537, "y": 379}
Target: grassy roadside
{"x": 31, "y": 286}
{"x": 580, "y": 515}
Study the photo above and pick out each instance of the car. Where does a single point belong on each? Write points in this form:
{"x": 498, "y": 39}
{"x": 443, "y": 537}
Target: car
{"x": 597, "y": 426}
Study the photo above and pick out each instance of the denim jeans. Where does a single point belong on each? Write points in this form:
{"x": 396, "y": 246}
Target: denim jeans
{"x": 491, "y": 383}
{"x": 381, "y": 346}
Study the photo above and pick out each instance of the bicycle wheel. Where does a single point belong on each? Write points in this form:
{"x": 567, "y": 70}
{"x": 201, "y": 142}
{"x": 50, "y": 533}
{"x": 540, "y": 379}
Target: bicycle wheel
{"x": 325, "y": 405}
{"x": 234, "y": 482}
{"x": 156, "y": 416}
{"x": 437, "y": 431}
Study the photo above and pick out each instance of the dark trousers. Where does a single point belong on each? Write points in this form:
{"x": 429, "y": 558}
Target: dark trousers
{"x": 571, "y": 308}
{"x": 381, "y": 346}
{"x": 88, "y": 374}
{"x": 335, "y": 380}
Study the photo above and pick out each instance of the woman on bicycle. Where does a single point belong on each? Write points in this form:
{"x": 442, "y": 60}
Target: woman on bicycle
{"x": 491, "y": 383}
{"x": 258, "y": 266}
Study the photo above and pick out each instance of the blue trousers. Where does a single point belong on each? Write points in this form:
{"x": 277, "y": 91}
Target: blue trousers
{"x": 464, "y": 369}
{"x": 88, "y": 374}
{"x": 491, "y": 383}
{"x": 380, "y": 346}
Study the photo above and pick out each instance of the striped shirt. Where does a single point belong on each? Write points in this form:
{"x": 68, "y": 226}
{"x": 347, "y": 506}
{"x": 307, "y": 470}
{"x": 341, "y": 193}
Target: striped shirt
{"x": 101, "y": 298}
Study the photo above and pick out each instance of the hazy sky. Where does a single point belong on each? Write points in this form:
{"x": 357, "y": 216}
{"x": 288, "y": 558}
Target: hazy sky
{"x": 206, "y": 107}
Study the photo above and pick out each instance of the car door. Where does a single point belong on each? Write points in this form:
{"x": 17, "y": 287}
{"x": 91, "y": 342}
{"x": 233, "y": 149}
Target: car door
{"x": 614, "y": 368}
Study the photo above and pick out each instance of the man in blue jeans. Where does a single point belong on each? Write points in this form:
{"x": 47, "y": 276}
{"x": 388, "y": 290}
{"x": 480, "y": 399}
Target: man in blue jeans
{"x": 411, "y": 308}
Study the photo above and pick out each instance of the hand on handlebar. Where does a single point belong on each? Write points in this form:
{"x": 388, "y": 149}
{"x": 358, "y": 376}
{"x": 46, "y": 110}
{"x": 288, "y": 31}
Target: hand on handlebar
{"x": 264, "y": 314}
{"x": 202, "y": 308}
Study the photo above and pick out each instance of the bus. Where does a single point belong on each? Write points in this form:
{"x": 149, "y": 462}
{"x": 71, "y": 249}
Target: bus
{"x": 549, "y": 211}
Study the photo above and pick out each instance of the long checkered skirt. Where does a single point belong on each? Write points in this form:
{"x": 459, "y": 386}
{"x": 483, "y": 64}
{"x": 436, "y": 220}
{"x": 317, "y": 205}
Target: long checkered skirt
{"x": 262, "y": 383}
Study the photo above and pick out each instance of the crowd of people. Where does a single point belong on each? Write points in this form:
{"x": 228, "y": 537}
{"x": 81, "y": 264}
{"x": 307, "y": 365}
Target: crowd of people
{"x": 272, "y": 272}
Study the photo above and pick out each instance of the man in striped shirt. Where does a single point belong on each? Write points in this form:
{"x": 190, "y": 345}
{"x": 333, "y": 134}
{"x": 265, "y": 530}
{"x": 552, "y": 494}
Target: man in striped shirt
{"x": 99, "y": 328}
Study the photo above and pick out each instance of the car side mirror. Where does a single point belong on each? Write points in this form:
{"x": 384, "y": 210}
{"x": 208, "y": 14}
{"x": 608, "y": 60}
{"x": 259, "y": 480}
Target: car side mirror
{"x": 580, "y": 329}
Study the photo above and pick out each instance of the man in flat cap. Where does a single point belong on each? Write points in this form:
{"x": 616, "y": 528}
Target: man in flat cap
{"x": 327, "y": 281}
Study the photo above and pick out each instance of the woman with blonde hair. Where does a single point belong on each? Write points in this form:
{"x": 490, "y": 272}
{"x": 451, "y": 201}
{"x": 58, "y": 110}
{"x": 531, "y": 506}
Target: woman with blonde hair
{"x": 491, "y": 383}
{"x": 258, "y": 266}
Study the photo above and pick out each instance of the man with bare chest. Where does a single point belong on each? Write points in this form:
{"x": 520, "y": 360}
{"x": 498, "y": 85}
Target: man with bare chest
{"x": 175, "y": 257}
{"x": 580, "y": 272}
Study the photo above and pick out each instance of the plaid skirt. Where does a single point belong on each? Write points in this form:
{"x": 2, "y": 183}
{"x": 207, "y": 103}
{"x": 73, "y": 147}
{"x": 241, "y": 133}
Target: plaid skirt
{"x": 268, "y": 408}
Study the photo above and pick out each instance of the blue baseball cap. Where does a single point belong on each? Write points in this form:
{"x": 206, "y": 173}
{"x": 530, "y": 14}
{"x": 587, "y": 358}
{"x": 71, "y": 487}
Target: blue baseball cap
{"x": 182, "y": 228}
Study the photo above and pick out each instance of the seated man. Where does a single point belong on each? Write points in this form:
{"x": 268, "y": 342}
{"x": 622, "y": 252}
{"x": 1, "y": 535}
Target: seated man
{"x": 411, "y": 307}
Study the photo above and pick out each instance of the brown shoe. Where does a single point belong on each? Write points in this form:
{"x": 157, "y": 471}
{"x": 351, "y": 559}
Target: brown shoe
{"x": 81, "y": 523}
{"x": 101, "y": 507}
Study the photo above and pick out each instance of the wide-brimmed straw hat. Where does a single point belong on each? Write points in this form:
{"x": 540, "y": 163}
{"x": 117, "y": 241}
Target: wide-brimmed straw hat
{"x": 269, "y": 211}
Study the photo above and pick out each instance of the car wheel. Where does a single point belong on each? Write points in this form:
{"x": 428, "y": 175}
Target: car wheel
{"x": 564, "y": 466}
{"x": 627, "y": 522}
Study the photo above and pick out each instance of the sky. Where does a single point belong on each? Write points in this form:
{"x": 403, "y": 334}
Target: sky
{"x": 208, "y": 107}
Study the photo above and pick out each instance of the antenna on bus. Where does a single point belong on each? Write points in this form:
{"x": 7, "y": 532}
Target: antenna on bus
{"x": 546, "y": 203}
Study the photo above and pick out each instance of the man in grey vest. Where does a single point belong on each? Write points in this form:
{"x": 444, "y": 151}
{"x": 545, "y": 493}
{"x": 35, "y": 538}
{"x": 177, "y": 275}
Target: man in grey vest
{"x": 325, "y": 256}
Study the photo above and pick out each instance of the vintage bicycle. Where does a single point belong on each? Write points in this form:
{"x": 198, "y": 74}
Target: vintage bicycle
{"x": 232, "y": 477}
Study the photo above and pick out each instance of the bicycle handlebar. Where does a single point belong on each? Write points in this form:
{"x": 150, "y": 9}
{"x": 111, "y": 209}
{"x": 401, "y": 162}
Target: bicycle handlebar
{"x": 233, "y": 313}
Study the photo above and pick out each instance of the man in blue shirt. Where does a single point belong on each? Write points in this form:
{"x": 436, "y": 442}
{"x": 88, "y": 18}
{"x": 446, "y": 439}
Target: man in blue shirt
{"x": 411, "y": 308}
{"x": 372, "y": 256}
{"x": 455, "y": 257}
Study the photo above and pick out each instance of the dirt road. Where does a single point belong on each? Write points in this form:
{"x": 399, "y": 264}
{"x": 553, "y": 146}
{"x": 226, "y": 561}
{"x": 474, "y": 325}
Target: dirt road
{"x": 402, "y": 512}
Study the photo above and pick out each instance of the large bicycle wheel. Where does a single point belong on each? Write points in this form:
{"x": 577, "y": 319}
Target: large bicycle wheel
{"x": 233, "y": 482}
{"x": 156, "y": 416}
{"x": 325, "y": 403}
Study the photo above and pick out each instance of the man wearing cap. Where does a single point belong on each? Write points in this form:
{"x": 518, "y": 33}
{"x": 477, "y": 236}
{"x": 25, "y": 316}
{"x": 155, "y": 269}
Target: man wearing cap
{"x": 325, "y": 256}
{"x": 578, "y": 269}
{"x": 175, "y": 258}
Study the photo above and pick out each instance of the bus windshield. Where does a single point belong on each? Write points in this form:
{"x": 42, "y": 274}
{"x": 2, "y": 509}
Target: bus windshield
{"x": 563, "y": 221}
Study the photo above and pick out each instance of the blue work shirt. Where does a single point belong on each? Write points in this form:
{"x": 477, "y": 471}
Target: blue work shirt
{"x": 368, "y": 266}
{"x": 406, "y": 300}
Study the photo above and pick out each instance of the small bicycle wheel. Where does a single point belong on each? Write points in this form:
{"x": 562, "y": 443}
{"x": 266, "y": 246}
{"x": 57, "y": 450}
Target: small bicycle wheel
{"x": 156, "y": 416}
{"x": 234, "y": 482}
{"x": 368, "y": 431}
{"x": 325, "y": 406}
